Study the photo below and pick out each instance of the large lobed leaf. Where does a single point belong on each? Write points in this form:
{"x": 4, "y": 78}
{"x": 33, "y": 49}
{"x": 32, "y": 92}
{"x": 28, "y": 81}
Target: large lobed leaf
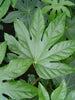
{"x": 42, "y": 46}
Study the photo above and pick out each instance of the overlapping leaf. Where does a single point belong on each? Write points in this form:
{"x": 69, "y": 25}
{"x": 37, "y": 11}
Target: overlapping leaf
{"x": 59, "y": 93}
{"x": 14, "y": 89}
{"x": 58, "y": 7}
{"x": 25, "y": 11}
{"x": 41, "y": 46}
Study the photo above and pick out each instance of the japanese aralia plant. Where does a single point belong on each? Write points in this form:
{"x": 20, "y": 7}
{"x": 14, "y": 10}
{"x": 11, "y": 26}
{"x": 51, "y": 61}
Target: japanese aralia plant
{"x": 40, "y": 49}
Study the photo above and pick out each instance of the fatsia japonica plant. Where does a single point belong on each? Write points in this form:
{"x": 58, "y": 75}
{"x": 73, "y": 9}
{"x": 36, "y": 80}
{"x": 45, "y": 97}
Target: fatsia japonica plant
{"x": 8, "y": 86}
{"x": 42, "y": 46}
{"x": 57, "y": 7}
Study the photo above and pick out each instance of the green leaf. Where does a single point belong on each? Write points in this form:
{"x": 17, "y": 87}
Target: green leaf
{"x": 14, "y": 3}
{"x": 1, "y": 1}
{"x": 46, "y": 9}
{"x": 18, "y": 90}
{"x": 62, "y": 50}
{"x": 15, "y": 68}
{"x": 36, "y": 30}
{"x": 52, "y": 34}
{"x": 47, "y": 1}
{"x": 66, "y": 11}
{"x": 16, "y": 46}
{"x": 52, "y": 15}
{"x": 2, "y": 51}
{"x": 70, "y": 79}
{"x": 4, "y": 8}
{"x": 58, "y": 7}
{"x": 41, "y": 45}
{"x": 68, "y": 3}
{"x": 11, "y": 56}
{"x": 25, "y": 11}
{"x": 70, "y": 28}
{"x": 71, "y": 95}
{"x": 48, "y": 70}
{"x": 21, "y": 32}
{"x": 38, "y": 25}
{"x": 11, "y": 16}
{"x": 43, "y": 94}
{"x": 60, "y": 92}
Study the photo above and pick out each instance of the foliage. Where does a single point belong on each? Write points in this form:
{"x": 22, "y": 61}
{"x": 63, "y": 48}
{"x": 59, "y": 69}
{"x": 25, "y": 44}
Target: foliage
{"x": 57, "y": 7}
{"x": 25, "y": 11}
{"x": 41, "y": 51}
{"x": 46, "y": 49}
{"x": 70, "y": 28}
{"x": 14, "y": 3}
{"x": 59, "y": 93}
{"x": 4, "y": 7}
{"x": 9, "y": 72}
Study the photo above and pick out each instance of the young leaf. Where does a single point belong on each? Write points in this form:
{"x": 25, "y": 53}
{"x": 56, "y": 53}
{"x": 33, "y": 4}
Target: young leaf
{"x": 60, "y": 92}
{"x": 58, "y": 6}
{"x": 43, "y": 94}
{"x": 2, "y": 51}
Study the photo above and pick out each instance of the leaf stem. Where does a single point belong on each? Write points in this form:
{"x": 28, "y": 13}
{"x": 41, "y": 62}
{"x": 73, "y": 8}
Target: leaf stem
{"x": 36, "y": 81}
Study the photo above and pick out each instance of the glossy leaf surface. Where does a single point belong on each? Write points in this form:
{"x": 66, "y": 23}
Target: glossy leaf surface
{"x": 41, "y": 45}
